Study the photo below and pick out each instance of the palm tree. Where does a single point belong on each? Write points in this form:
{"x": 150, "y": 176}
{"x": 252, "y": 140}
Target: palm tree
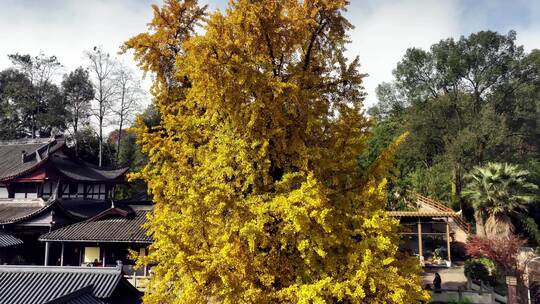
{"x": 498, "y": 192}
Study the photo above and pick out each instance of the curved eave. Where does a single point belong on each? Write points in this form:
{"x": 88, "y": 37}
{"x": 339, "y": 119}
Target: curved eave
{"x": 38, "y": 212}
{"x": 32, "y": 168}
{"x": 119, "y": 177}
{"x": 8, "y": 240}
{"x": 26, "y": 216}
{"x": 26, "y": 171}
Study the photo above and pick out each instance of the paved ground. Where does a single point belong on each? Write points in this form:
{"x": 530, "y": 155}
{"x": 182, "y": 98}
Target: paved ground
{"x": 452, "y": 277}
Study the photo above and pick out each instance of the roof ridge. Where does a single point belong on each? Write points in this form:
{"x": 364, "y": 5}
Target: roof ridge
{"x": 59, "y": 269}
{"x": 75, "y": 295}
{"x": 26, "y": 141}
{"x": 23, "y": 202}
{"x": 93, "y": 166}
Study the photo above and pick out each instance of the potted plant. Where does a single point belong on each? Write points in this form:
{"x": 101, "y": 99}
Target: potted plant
{"x": 438, "y": 255}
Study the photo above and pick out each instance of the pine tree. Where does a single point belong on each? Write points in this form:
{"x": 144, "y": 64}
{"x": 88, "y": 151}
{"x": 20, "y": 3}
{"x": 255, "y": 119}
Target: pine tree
{"x": 253, "y": 168}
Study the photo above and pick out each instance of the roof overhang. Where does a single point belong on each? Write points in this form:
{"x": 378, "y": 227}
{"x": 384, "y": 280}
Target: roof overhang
{"x": 8, "y": 240}
{"x": 420, "y": 214}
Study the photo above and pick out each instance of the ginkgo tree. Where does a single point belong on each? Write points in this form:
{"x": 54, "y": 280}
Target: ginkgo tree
{"x": 253, "y": 168}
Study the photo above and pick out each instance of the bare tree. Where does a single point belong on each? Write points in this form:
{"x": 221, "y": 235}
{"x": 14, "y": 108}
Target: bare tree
{"x": 129, "y": 97}
{"x": 102, "y": 70}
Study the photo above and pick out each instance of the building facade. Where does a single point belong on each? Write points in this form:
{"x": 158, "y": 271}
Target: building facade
{"x": 43, "y": 187}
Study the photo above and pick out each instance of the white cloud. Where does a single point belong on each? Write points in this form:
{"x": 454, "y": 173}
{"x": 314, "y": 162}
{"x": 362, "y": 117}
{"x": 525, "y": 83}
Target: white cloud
{"x": 384, "y": 28}
{"x": 382, "y": 36}
{"x": 529, "y": 35}
{"x": 67, "y": 28}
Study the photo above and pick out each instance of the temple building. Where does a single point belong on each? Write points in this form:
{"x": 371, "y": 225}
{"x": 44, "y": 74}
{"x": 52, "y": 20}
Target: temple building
{"x": 106, "y": 238}
{"x": 44, "y": 186}
{"x": 431, "y": 231}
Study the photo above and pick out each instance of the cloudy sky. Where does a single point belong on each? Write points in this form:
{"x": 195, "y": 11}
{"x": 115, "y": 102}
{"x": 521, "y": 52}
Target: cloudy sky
{"x": 384, "y": 28}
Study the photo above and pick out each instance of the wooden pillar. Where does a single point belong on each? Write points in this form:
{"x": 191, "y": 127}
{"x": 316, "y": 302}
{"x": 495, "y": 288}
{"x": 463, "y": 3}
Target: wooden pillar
{"x": 448, "y": 240}
{"x": 420, "y": 251}
{"x": 47, "y": 247}
{"x": 62, "y": 255}
{"x": 103, "y": 262}
{"x": 81, "y": 255}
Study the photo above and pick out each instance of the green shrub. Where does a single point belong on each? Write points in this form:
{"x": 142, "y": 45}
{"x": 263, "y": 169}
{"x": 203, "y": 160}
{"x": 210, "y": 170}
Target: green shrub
{"x": 462, "y": 301}
{"x": 480, "y": 269}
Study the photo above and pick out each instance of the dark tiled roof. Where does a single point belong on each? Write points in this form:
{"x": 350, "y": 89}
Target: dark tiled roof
{"x": 13, "y": 210}
{"x": 16, "y": 210}
{"x": 19, "y": 210}
{"x": 81, "y": 296}
{"x": 114, "y": 225}
{"x": 85, "y": 172}
{"x": 42, "y": 284}
{"x": 7, "y": 240}
{"x": 84, "y": 208}
{"x": 37, "y": 152}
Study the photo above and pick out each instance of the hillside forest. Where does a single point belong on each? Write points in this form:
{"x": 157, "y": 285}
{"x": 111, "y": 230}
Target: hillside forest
{"x": 465, "y": 103}
{"x": 472, "y": 108}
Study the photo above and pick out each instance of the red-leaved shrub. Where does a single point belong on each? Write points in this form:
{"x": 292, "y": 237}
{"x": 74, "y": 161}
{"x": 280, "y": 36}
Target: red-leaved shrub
{"x": 503, "y": 251}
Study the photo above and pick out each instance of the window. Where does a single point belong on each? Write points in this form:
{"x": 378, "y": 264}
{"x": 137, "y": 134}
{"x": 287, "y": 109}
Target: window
{"x": 96, "y": 191}
{"x": 91, "y": 254}
{"x": 64, "y": 190}
{"x": 72, "y": 190}
{"x": 48, "y": 189}
{"x": 25, "y": 190}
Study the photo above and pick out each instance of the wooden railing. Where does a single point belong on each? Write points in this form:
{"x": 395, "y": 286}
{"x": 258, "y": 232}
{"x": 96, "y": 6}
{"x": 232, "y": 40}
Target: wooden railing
{"x": 442, "y": 207}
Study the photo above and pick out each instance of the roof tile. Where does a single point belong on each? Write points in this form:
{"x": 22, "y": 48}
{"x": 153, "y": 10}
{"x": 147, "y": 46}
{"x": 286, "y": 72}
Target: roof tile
{"x": 115, "y": 229}
{"x": 42, "y": 284}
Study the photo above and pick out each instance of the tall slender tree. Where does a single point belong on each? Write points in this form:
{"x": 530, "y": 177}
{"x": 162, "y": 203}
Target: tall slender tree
{"x": 129, "y": 98}
{"x": 253, "y": 167}
{"x": 102, "y": 68}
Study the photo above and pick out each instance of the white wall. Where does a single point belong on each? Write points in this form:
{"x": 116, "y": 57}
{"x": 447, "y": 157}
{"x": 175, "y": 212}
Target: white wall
{"x": 3, "y": 192}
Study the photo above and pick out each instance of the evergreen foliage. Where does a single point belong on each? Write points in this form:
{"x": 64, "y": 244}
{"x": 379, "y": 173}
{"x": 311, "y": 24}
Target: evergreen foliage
{"x": 466, "y": 102}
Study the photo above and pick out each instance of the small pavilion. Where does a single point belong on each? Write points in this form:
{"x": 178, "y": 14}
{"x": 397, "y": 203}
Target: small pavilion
{"x": 429, "y": 231}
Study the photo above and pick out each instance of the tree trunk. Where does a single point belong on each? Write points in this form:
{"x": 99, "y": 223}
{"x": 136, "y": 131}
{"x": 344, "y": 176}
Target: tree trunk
{"x": 75, "y": 125}
{"x": 122, "y": 101}
{"x": 457, "y": 185}
{"x": 100, "y": 141}
{"x": 33, "y": 123}
{"x": 118, "y": 140}
{"x": 499, "y": 226}
{"x": 480, "y": 227}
